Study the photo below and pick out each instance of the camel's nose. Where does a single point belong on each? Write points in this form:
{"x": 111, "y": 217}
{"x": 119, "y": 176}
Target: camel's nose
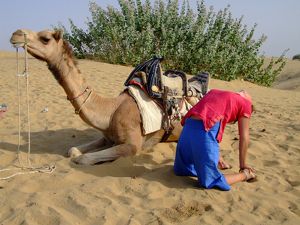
{"x": 18, "y": 38}
{"x": 19, "y": 32}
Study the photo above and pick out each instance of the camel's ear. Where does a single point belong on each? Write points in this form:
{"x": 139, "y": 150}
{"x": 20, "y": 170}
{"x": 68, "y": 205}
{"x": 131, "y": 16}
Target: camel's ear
{"x": 58, "y": 34}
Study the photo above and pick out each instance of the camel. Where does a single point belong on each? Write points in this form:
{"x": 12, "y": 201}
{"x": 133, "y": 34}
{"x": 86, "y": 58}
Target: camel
{"x": 117, "y": 118}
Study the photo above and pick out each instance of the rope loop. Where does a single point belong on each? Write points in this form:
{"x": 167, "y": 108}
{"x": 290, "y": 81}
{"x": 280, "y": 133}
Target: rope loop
{"x": 28, "y": 169}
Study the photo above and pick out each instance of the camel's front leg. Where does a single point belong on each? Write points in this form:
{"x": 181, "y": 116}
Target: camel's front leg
{"x": 107, "y": 154}
{"x": 81, "y": 149}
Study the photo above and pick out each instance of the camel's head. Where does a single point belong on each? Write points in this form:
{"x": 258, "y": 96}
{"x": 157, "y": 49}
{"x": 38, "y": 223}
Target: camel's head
{"x": 44, "y": 45}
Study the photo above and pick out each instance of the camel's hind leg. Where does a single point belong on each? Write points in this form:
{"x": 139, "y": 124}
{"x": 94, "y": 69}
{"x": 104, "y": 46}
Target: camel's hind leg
{"x": 106, "y": 154}
{"x": 88, "y": 147}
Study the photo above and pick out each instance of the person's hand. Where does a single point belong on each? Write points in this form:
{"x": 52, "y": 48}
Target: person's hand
{"x": 247, "y": 167}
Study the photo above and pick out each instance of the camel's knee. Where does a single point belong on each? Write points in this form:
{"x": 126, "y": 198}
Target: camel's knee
{"x": 85, "y": 159}
{"x": 74, "y": 152}
{"x": 128, "y": 150}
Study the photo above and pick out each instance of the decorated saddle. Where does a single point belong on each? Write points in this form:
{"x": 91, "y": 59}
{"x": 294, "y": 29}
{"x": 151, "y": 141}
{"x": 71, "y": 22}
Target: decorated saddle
{"x": 167, "y": 91}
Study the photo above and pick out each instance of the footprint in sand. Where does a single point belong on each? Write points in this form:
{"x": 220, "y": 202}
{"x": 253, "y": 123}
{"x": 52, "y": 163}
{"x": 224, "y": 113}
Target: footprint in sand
{"x": 294, "y": 208}
{"x": 270, "y": 163}
{"x": 293, "y": 183}
{"x": 181, "y": 211}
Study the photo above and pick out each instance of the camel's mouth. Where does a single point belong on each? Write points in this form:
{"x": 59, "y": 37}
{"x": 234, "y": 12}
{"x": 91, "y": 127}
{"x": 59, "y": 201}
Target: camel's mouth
{"x": 18, "y": 39}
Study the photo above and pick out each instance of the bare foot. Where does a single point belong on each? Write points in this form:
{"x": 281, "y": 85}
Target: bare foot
{"x": 222, "y": 165}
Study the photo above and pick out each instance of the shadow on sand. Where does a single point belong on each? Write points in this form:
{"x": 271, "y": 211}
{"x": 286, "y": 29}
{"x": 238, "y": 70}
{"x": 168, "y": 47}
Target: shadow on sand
{"x": 53, "y": 142}
{"x": 139, "y": 166}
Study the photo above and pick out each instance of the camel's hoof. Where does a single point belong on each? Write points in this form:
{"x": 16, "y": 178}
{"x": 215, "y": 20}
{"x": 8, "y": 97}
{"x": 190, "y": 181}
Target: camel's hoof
{"x": 74, "y": 152}
{"x": 83, "y": 160}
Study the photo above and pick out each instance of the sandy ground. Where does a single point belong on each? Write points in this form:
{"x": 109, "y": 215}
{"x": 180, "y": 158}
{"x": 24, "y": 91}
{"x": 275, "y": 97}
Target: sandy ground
{"x": 143, "y": 189}
{"x": 289, "y": 78}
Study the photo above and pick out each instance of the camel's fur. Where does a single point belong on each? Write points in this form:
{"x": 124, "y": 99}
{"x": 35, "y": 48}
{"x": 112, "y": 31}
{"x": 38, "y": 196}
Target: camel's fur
{"x": 117, "y": 118}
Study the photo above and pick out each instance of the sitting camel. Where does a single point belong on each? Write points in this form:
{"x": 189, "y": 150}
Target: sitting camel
{"x": 117, "y": 118}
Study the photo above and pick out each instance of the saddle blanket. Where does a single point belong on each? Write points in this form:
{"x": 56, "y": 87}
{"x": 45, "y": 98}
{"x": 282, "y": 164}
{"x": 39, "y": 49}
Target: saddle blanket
{"x": 151, "y": 113}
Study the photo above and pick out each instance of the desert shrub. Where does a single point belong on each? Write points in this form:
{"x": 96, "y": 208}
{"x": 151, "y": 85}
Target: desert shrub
{"x": 296, "y": 57}
{"x": 190, "y": 41}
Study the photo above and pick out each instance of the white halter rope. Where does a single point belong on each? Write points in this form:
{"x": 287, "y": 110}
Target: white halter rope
{"x": 24, "y": 169}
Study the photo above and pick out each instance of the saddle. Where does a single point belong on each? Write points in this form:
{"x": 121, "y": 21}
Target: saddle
{"x": 168, "y": 90}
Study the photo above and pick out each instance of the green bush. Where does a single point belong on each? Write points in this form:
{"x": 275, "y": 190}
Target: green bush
{"x": 189, "y": 41}
{"x": 296, "y": 57}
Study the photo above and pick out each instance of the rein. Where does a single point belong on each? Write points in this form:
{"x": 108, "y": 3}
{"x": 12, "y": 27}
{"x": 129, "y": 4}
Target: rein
{"x": 24, "y": 169}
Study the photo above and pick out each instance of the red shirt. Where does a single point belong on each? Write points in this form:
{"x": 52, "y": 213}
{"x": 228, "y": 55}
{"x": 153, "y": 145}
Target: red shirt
{"x": 223, "y": 106}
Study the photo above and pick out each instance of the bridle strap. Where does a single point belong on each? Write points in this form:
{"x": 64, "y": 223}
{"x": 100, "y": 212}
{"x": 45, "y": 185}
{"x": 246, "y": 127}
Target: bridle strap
{"x": 77, "y": 111}
{"x": 73, "y": 99}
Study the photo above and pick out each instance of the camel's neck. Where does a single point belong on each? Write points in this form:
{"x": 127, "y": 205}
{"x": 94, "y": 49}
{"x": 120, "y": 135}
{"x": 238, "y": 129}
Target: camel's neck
{"x": 67, "y": 75}
{"x": 94, "y": 110}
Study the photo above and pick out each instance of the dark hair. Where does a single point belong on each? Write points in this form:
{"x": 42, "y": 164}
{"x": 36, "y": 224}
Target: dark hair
{"x": 253, "y": 108}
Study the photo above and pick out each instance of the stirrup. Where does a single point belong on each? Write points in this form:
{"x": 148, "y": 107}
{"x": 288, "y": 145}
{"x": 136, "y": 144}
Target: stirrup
{"x": 198, "y": 85}
{"x": 203, "y": 78}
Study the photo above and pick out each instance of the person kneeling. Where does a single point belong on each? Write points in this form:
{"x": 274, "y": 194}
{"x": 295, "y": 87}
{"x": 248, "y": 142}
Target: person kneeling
{"x": 197, "y": 152}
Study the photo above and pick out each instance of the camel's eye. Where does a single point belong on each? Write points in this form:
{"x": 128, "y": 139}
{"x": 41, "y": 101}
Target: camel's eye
{"x": 45, "y": 40}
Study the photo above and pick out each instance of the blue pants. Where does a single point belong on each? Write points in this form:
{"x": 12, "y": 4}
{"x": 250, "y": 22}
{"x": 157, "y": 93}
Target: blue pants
{"x": 197, "y": 154}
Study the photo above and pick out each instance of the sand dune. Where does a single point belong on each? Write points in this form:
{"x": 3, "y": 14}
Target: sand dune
{"x": 289, "y": 78}
{"x": 143, "y": 189}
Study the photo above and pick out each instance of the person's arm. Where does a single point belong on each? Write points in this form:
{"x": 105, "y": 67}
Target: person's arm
{"x": 243, "y": 124}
